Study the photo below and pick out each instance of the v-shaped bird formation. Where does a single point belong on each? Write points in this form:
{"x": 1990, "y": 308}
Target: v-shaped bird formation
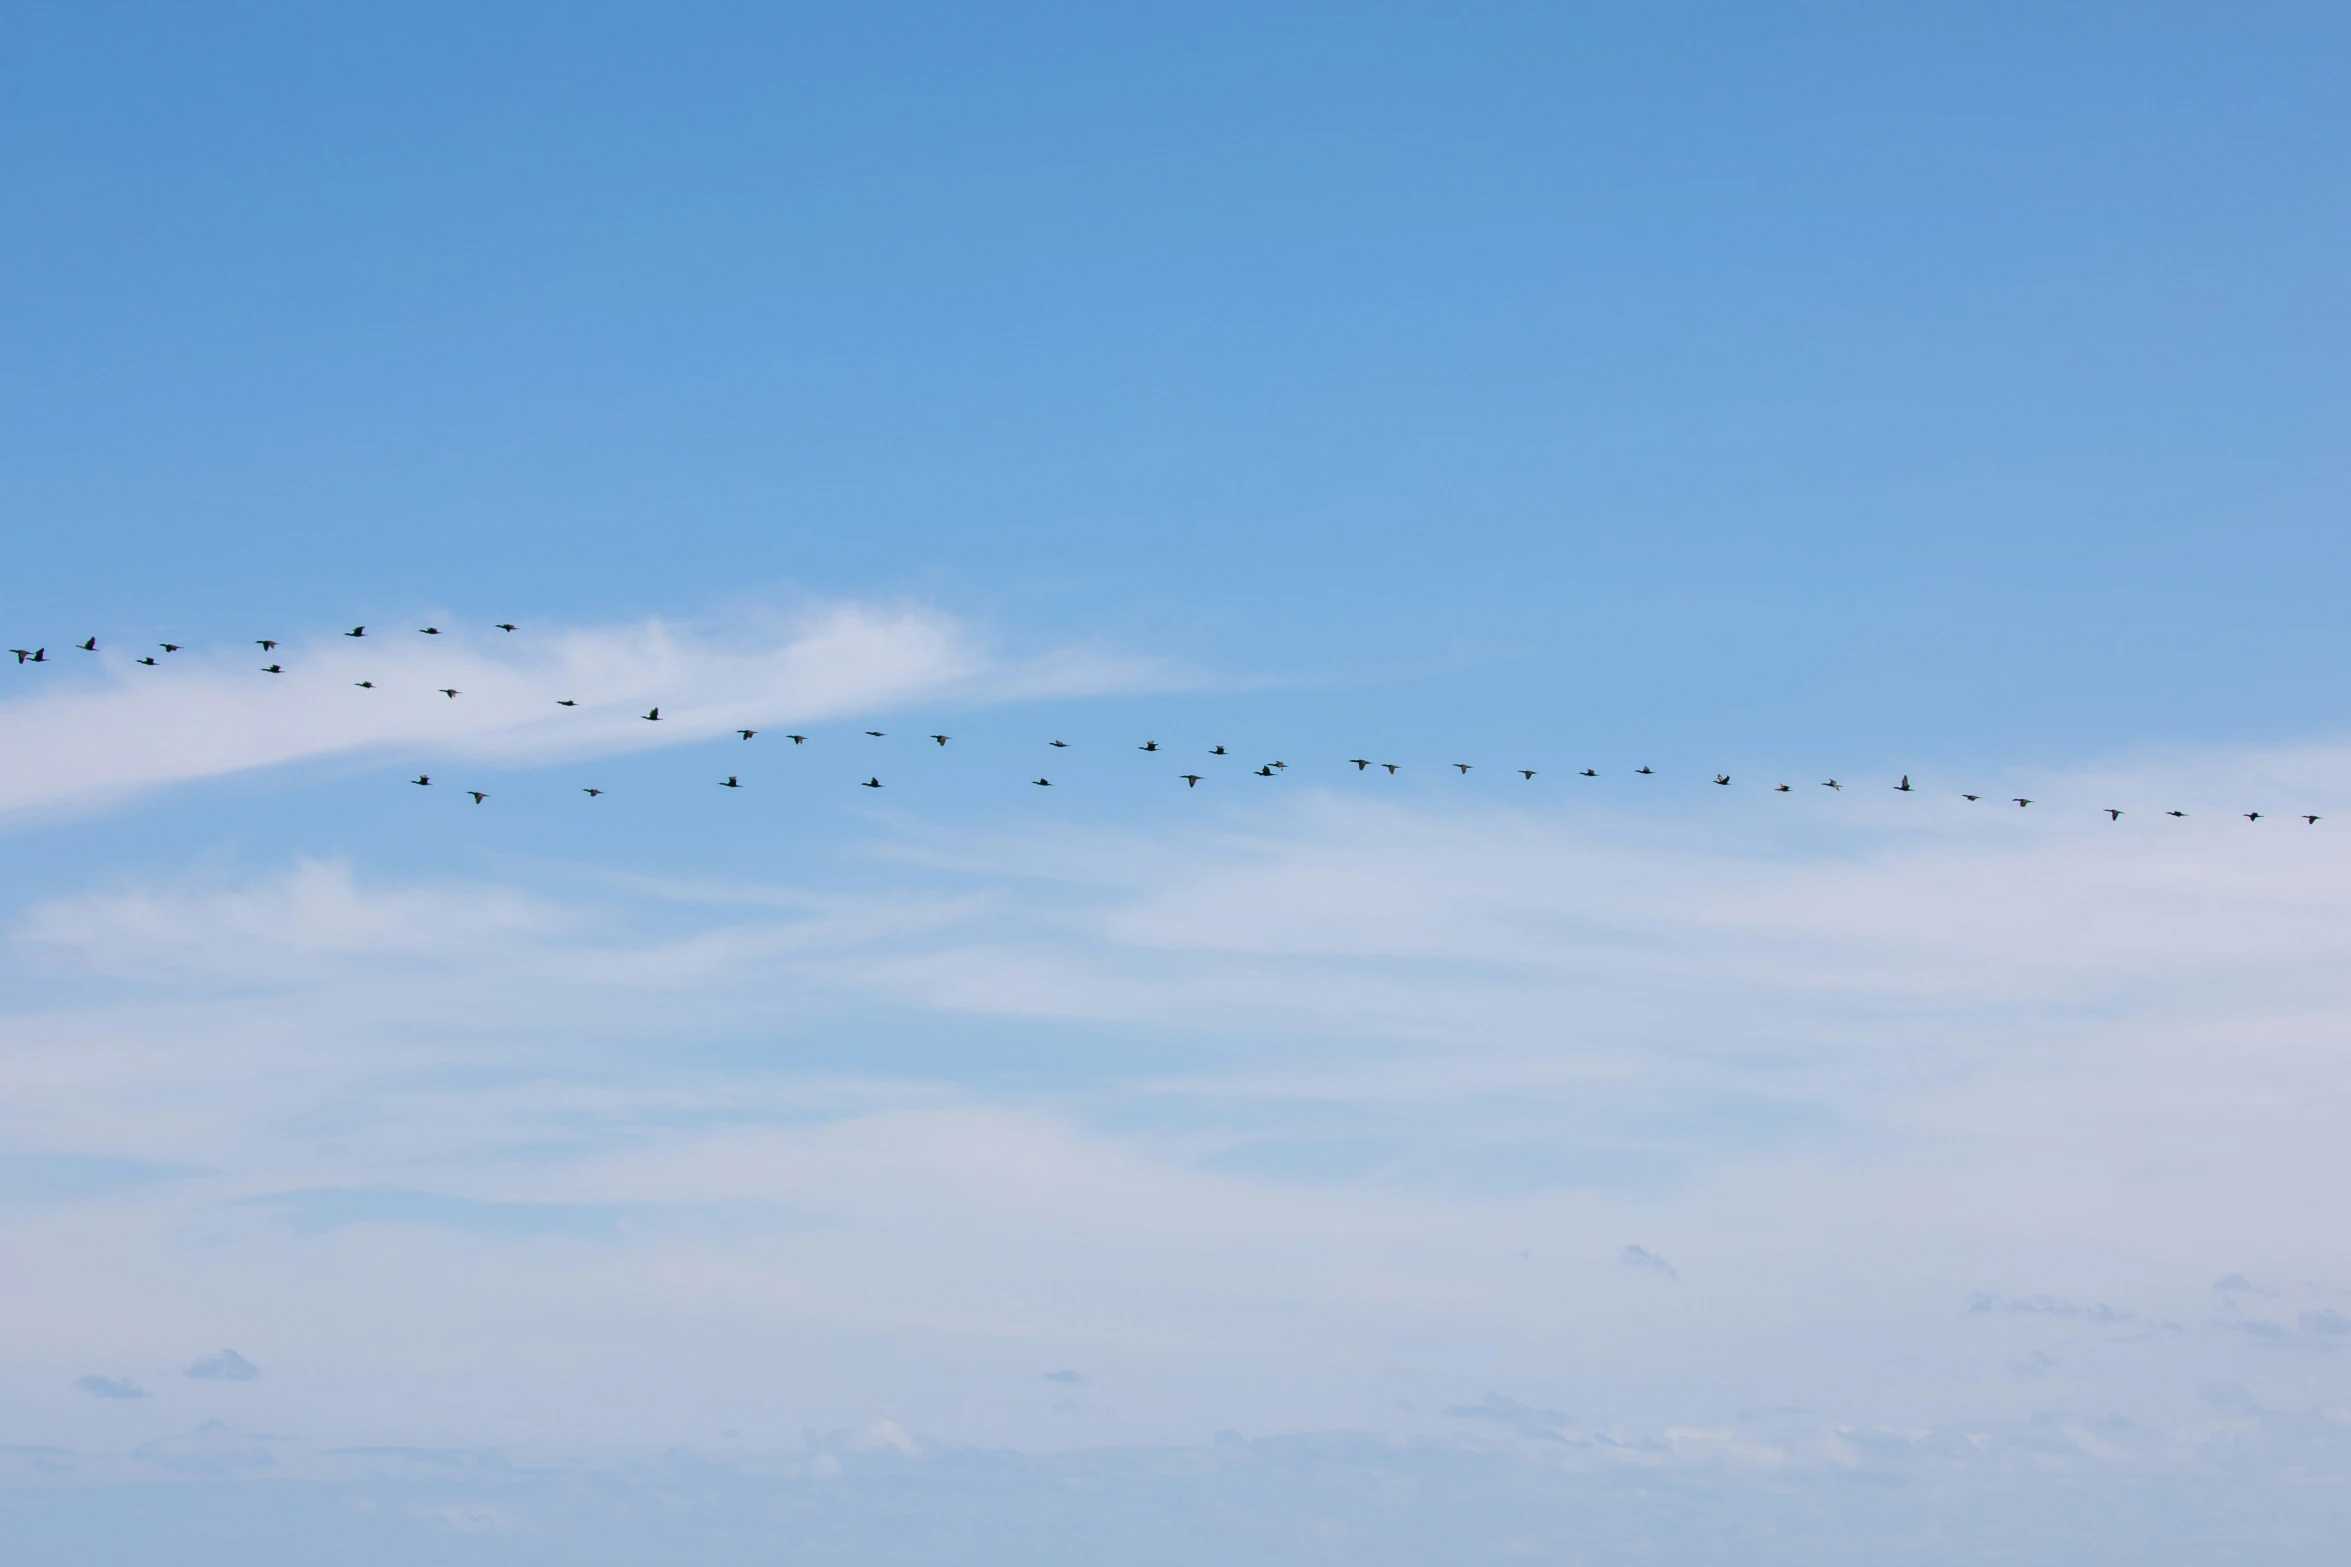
{"x": 1363, "y": 765}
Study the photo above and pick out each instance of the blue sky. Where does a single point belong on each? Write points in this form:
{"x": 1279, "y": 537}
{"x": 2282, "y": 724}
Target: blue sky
{"x": 1794, "y": 393}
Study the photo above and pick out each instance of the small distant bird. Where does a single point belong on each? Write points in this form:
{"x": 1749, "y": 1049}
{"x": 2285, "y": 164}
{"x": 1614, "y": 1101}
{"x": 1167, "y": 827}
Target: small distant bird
{"x": 148, "y": 660}
{"x": 364, "y": 685}
{"x": 1059, "y": 745}
{"x": 2112, "y": 814}
{"x": 2021, "y": 801}
{"x": 1148, "y": 745}
{"x": 1464, "y": 766}
{"x": 22, "y": 653}
{"x": 1722, "y": 778}
{"x": 2312, "y": 820}
{"x": 1361, "y": 762}
{"x": 1831, "y": 783}
{"x": 746, "y": 733}
{"x": 169, "y": 647}
{"x": 422, "y": 778}
{"x": 1779, "y": 788}
{"x": 91, "y": 646}
{"x": 478, "y": 796}
{"x": 450, "y": 692}
{"x": 1264, "y": 772}
{"x": 565, "y": 701}
{"x": 1642, "y": 770}
{"x": 2175, "y": 813}
{"x": 1281, "y": 767}
{"x": 1593, "y": 772}
{"x": 653, "y": 716}
{"x": 1391, "y": 767}
{"x": 876, "y": 733}
{"x": 1526, "y": 772}
{"x": 1216, "y": 750}
{"x": 728, "y": 782}
{"x": 505, "y": 625}
{"x": 1971, "y": 797}
{"x": 263, "y": 643}
{"x": 272, "y": 669}
{"x": 356, "y": 631}
{"x": 430, "y": 631}
{"x": 2252, "y": 816}
{"x": 871, "y": 783}
{"x": 1191, "y": 780}
{"x": 591, "y": 793}
{"x": 942, "y": 739}
{"x": 797, "y": 739}
{"x": 1904, "y": 785}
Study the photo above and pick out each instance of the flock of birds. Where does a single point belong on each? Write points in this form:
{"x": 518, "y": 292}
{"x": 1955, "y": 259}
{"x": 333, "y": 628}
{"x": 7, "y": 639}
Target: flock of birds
{"x": 269, "y": 645}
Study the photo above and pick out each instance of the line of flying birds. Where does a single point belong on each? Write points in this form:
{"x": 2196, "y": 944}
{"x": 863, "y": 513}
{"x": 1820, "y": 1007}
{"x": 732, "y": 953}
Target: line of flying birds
{"x": 268, "y": 645}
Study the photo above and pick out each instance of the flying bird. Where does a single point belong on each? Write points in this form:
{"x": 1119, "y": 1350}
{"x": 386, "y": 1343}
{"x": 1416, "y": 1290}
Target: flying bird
{"x": 169, "y": 647}
{"x": 1722, "y": 778}
{"x": 876, "y": 733}
{"x": 1058, "y": 745}
{"x": 653, "y": 716}
{"x": 746, "y": 733}
{"x": 505, "y": 625}
{"x": 591, "y": 793}
{"x": 1216, "y": 750}
{"x": 2112, "y": 814}
{"x": 478, "y": 796}
{"x": 1281, "y": 767}
{"x": 1971, "y": 797}
{"x": 1361, "y": 762}
{"x": 1464, "y": 766}
{"x": 1191, "y": 780}
{"x": 149, "y": 659}
{"x": 2252, "y": 816}
{"x": 1904, "y": 785}
{"x": 2021, "y": 801}
{"x": 2175, "y": 813}
{"x": 1264, "y": 772}
{"x": 449, "y": 691}
{"x": 1592, "y": 772}
{"x": 272, "y": 669}
{"x": 728, "y": 782}
{"x": 1042, "y": 783}
{"x": 356, "y": 631}
{"x": 1779, "y": 788}
{"x": 1642, "y": 770}
{"x": 1148, "y": 745}
{"x": 1391, "y": 767}
{"x": 364, "y": 685}
{"x": 1526, "y": 772}
{"x": 1831, "y": 783}
{"x": 2312, "y": 820}
{"x": 942, "y": 739}
{"x": 91, "y": 646}
{"x": 871, "y": 783}
{"x": 430, "y": 631}
{"x": 23, "y": 653}
{"x": 565, "y": 701}
{"x": 797, "y": 739}
{"x": 422, "y": 778}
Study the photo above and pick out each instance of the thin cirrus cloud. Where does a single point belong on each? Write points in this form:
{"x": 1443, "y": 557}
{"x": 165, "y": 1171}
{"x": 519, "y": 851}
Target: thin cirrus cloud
{"x": 199, "y": 714}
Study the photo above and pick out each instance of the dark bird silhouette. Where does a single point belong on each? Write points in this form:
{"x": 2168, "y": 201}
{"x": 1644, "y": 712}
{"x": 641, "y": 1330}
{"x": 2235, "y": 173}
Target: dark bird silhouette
{"x": 1216, "y": 750}
{"x": 22, "y": 653}
{"x": 871, "y": 783}
{"x": 1391, "y": 767}
{"x": 1148, "y": 745}
{"x": 591, "y": 793}
{"x": 797, "y": 739}
{"x": 1281, "y": 767}
{"x": 505, "y": 625}
{"x": 1971, "y": 797}
{"x": 1904, "y": 785}
{"x": 1464, "y": 766}
{"x": 1526, "y": 772}
{"x": 1831, "y": 783}
{"x": 91, "y": 646}
{"x": 565, "y": 701}
{"x": 356, "y": 631}
{"x": 1264, "y": 772}
{"x": 478, "y": 796}
{"x": 728, "y": 782}
{"x": 2021, "y": 801}
{"x": 1643, "y": 771}
{"x": 1722, "y": 778}
{"x": 1589, "y": 772}
{"x": 149, "y": 659}
{"x": 1058, "y": 745}
{"x": 2175, "y": 813}
{"x": 272, "y": 669}
{"x": 169, "y": 647}
{"x": 2252, "y": 816}
{"x": 364, "y": 685}
{"x": 1779, "y": 788}
{"x": 263, "y": 643}
{"x": 942, "y": 739}
{"x": 430, "y": 631}
{"x": 422, "y": 778}
{"x": 450, "y": 692}
{"x": 2312, "y": 820}
{"x": 876, "y": 733}
{"x": 1361, "y": 762}
{"x": 2112, "y": 814}
{"x": 1191, "y": 780}
{"x": 1042, "y": 783}
{"x": 746, "y": 733}
{"x": 653, "y": 715}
